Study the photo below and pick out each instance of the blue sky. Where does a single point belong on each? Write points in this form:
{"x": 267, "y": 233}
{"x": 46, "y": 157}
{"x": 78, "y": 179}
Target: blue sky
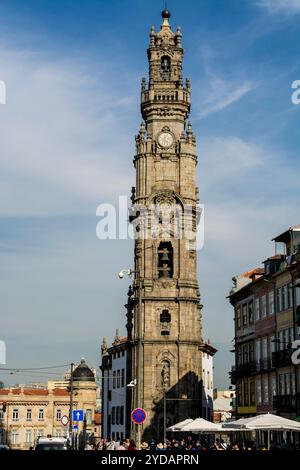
{"x": 72, "y": 71}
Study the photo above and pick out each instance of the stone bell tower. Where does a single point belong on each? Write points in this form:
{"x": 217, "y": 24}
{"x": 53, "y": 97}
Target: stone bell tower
{"x": 166, "y": 333}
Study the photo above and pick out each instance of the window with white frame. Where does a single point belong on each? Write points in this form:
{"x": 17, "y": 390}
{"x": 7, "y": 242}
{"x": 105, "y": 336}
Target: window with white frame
{"x": 285, "y": 338}
{"x": 14, "y": 436}
{"x": 239, "y": 394}
{"x": 41, "y": 414}
{"x": 265, "y": 351}
{"x": 258, "y": 352}
{"x": 58, "y": 414}
{"x": 271, "y": 303}
{"x": 256, "y": 308}
{"x": 28, "y": 414}
{"x": 279, "y": 299}
{"x": 263, "y": 306}
{"x": 59, "y": 432}
{"x": 245, "y": 314}
{"x": 250, "y": 312}
{"x": 285, "y": 297}
{"x": 272, "y": 348}
{"x": 266, "y": 388}
{"x": 258, "y": 390}
{"x": 281, "y": 340}
{"x": 290, "y": 289}
{"x": 297, "y": 295}
{"x": 40, "y": 432}
{"x": 89, "y": 416}
{"x": 273, "y": 385}
{"x": 28, "y": 436}
{"x": 281, "y": 384}
{"x": 288, "y": 384}
{"x": 238, "y": 317}
{"x": 15, "y": 415}
{"x": 293, "y": 385}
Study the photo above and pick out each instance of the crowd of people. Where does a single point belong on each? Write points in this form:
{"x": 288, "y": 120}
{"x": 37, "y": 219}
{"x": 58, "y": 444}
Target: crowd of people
{"x": 187, "y": 444}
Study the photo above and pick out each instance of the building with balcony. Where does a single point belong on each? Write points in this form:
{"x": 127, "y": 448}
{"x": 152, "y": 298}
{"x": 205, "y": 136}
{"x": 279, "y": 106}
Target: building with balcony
{"x": 266, "y": 303}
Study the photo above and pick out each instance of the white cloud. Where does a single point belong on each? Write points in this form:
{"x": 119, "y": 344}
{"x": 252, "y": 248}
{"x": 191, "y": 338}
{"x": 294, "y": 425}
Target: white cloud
{"x": 221, "y": 97}
{"x": 288, "y": 7}
{"x": 250, "y": 195}
{"x": 62, "y": 132}
{"x": 230, "y": 156}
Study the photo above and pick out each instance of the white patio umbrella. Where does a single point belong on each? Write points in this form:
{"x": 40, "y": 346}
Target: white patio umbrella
{"x": 178, "y": 426}
{"x": 265, "y": 422}
{"x": 200, "y": 425}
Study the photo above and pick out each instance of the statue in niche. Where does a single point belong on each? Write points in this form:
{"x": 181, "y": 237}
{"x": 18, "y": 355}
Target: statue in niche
{"x": 165, "y": 374}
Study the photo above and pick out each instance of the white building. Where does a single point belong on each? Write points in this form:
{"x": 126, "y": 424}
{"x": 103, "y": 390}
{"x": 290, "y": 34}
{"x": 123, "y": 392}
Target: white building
{"x": 208, "y": 351}
{"x": 116, "y": 396}
{"x": 223, "y": 405}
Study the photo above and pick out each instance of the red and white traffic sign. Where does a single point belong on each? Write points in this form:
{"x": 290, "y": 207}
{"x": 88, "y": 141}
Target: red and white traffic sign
{"x": 138, "y": 415}
{"x": 64, "y": 420}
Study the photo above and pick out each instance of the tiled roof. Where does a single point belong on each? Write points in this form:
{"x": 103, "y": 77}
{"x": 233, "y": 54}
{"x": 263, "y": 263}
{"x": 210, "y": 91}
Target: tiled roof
{"x": 60, "y": 392}
{"x": 35, "y": 391}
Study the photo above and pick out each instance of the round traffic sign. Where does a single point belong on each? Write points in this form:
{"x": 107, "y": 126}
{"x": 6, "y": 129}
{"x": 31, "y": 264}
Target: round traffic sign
{"x": 138, "y": 415}
{"x": 64, "y": 420}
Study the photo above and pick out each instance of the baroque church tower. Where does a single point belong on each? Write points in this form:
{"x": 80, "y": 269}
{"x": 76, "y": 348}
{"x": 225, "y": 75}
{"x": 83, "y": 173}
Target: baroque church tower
{"x": 165, "y": 328}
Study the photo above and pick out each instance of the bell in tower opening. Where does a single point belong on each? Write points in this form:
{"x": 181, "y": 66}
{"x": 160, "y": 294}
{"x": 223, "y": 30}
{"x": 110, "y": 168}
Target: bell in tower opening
{"x": 165, "y": 68}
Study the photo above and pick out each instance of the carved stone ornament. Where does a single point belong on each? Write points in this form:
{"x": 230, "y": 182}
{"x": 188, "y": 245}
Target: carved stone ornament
{"x": 166, "y": 198}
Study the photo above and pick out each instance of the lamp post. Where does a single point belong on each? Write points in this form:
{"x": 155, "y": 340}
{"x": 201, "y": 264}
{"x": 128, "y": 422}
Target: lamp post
{"x": 138, "y": 339}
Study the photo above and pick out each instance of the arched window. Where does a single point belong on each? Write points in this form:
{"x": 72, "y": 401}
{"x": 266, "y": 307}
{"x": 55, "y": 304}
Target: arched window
{"x": 165, "y": 322}
{"x": 165, "y": 68}
{"x": 165, "y": 260}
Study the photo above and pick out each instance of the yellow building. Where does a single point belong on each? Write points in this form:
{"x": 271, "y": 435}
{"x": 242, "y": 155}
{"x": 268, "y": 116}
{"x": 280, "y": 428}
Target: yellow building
{"x": 27, "y": 412}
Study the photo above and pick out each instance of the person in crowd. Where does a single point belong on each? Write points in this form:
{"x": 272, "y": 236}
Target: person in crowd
{"x": 121, "y": 446}
{"x": 132, "y": 445}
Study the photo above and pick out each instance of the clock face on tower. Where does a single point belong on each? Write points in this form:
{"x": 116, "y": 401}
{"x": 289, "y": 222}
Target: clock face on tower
{"x": 165, "y": 139}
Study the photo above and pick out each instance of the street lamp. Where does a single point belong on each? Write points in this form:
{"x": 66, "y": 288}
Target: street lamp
{"x": 138, "y": 338}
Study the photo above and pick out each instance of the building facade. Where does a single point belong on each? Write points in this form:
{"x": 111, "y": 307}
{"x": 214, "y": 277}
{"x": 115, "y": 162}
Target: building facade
{"x": 116, "y": 389}
{"x": 224, "y": 405}
{"x": 27, "y": 413}
{"x": 165, "y": 326}
{"x": 208, "y": 352}
{"x": 266, "y": 303}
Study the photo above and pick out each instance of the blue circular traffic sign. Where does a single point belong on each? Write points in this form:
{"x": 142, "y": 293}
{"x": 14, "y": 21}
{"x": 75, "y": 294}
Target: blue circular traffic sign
{"x": 138, "y": 415}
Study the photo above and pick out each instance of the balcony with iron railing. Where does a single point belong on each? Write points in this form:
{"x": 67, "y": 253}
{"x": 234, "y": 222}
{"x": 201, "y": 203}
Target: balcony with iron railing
{"x": 282, "y": 358}
{"x": 286, "y": 402}
{"x": 242, "y": 370}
